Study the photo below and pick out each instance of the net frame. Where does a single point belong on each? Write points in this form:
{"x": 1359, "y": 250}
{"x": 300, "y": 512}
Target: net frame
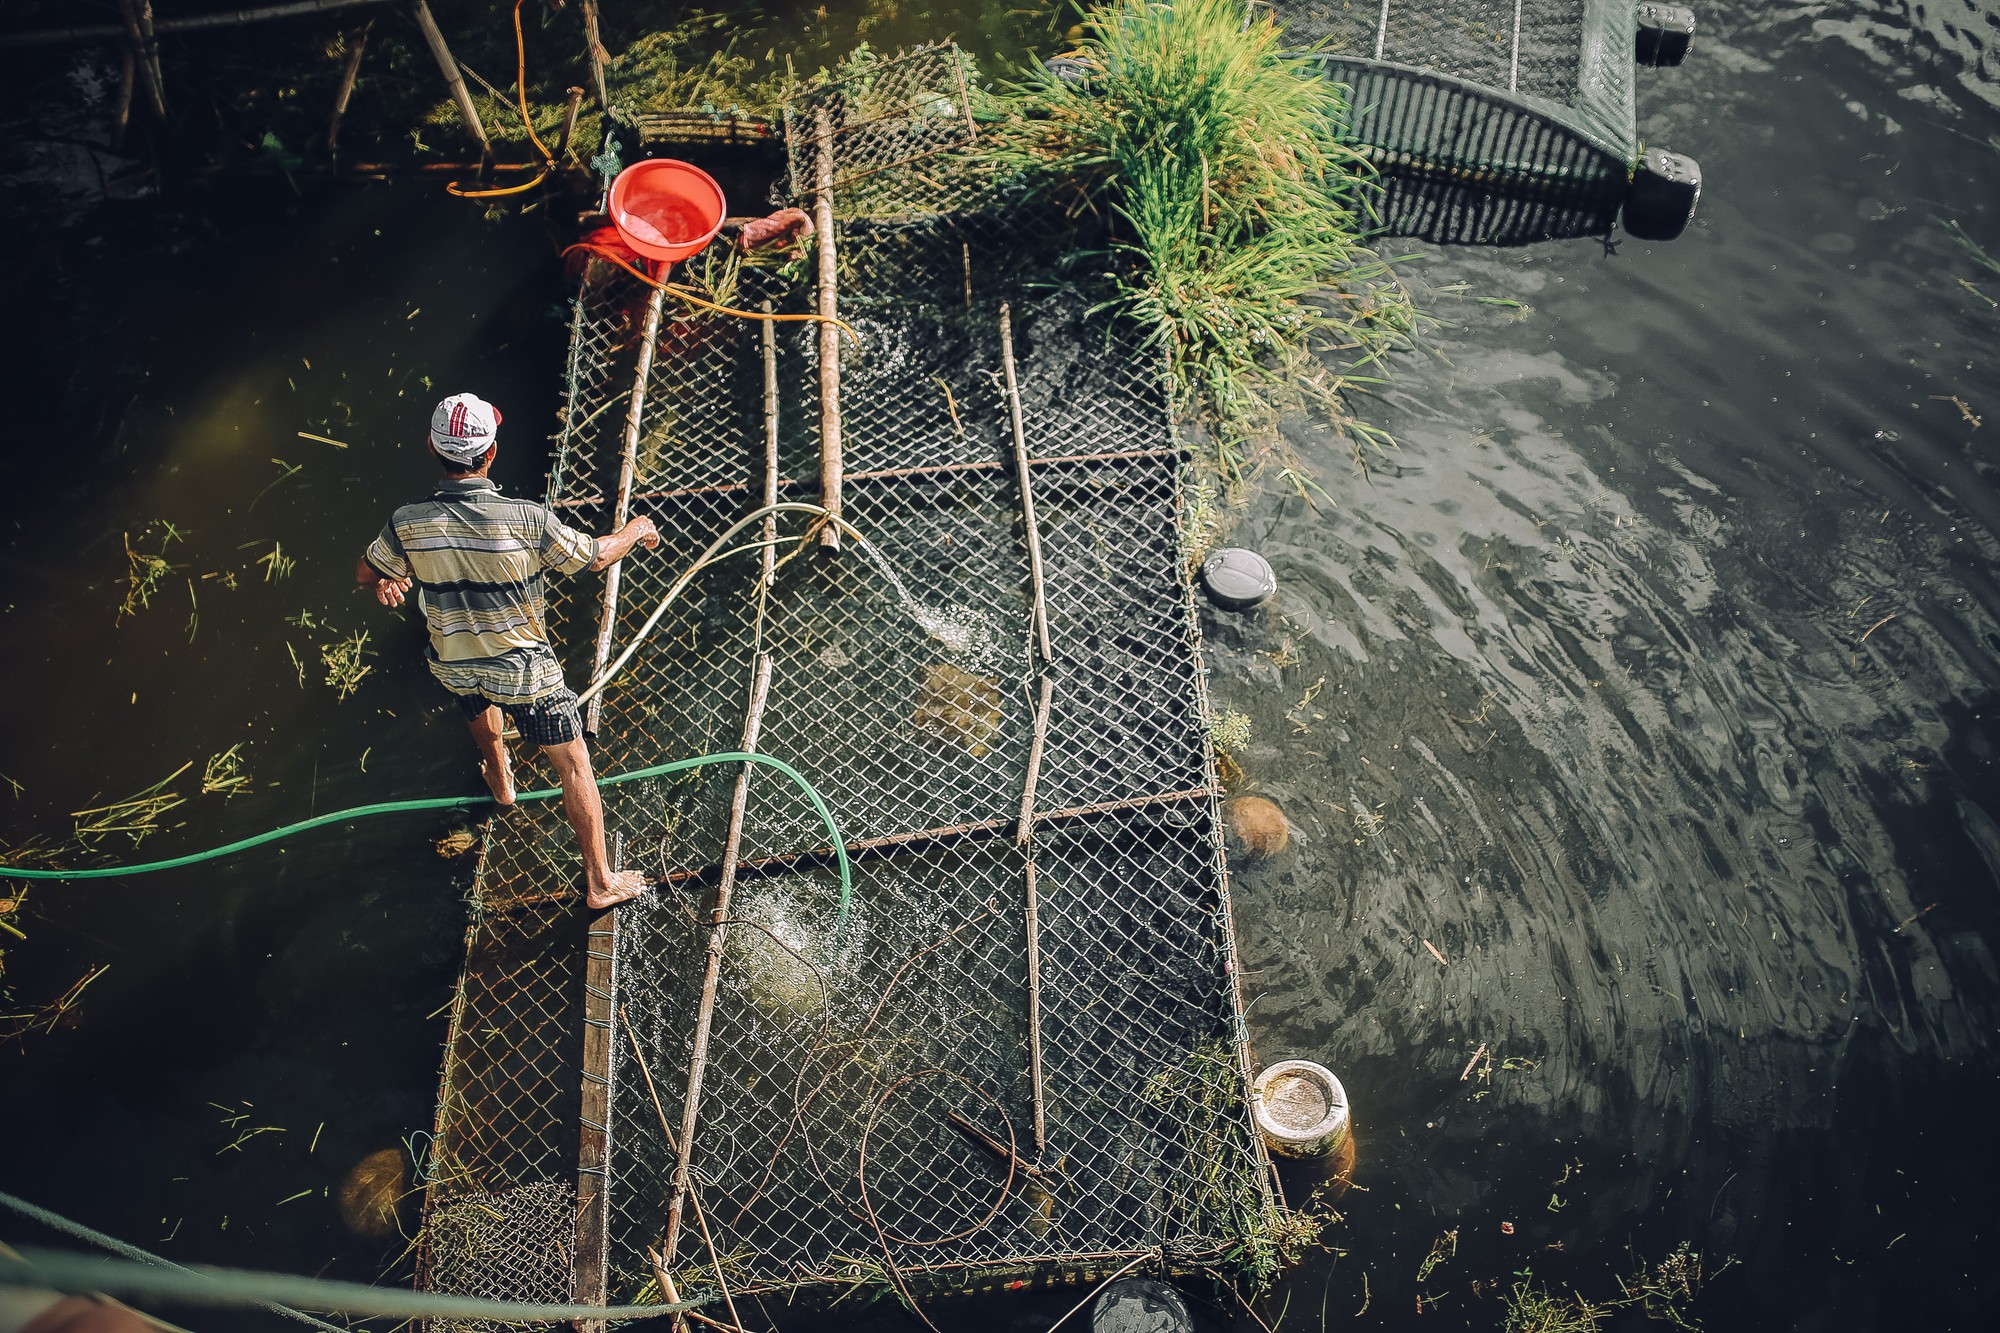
{"x": 700, "y": 418}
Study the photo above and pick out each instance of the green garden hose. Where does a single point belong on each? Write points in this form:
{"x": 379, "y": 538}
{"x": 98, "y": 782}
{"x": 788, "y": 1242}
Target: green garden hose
{"x": 707, "y": 557}
{"x": 461, "y": 802}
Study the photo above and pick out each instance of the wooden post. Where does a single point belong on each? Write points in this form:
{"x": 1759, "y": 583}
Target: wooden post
{"x": 770, "y": 447}
{"x": 121, "y": 114}
{"x": 1041, "y": 610}
{"x": 453, "y": 80}
{"x": 139, "y": 30}
{"x": 355, "y": 46}
{"x": 569, "y": 122}
{"x": 753, "y": 721}
{"x": 593, "y": 1165}
{"x": 621, "y": 508}
{"x": 593, "y": 46}
{"x": 829, "y": 334}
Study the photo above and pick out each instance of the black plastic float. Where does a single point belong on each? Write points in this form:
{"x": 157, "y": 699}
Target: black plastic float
{"x": 1664, "y": 34}
{"x": 1140, "y": 1305}
{"x": 1662, "y": 198}
{"x": 1238, "y": 579}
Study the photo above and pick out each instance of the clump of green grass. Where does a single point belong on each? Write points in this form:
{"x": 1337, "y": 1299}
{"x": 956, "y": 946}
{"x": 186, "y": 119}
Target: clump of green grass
{"x": 345, "y": 664}
{"x": 1238, "y": 207}
{"x": 1229, "y": 731}
{"x": 1532, "y": 1308}
{"x": 224, "y": 773}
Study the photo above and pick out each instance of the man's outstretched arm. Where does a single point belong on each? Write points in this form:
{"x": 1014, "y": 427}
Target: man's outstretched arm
{"x": 612, "y": 549}
{"x": 388, "y": 591}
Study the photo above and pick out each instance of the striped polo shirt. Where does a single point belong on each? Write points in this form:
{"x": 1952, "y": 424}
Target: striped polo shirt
{"x": 478, "y": 559}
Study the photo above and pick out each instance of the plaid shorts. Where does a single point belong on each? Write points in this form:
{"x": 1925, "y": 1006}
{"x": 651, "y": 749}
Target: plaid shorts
{"x": 552, "y": 719}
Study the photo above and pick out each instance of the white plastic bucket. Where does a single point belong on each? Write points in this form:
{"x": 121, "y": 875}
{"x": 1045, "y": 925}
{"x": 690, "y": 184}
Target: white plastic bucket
{"x": 1300, "y": 1109}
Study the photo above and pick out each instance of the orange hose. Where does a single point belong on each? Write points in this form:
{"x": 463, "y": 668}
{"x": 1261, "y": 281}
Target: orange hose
{"x": 611, "y": 257}
{"x": 521, "y": 90}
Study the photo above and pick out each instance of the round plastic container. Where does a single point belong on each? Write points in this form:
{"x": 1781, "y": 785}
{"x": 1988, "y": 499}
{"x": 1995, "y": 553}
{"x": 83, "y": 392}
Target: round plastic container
{"x": 666, "y": 209}
{"x": 1300, "y": 1109}
{"x": 1140, "y": 1305}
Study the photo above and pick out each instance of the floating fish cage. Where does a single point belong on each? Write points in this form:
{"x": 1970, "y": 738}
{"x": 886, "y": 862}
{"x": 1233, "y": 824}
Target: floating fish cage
{"x": 1502, "y": 122}
{"x": 1018, "y": 1054}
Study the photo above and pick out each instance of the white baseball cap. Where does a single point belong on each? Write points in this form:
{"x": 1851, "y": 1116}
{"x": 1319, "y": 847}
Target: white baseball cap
{"x": 464, "y": 427}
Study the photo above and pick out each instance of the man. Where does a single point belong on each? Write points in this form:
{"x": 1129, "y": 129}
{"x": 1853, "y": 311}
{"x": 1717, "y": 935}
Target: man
{"x": 478, "y": 558}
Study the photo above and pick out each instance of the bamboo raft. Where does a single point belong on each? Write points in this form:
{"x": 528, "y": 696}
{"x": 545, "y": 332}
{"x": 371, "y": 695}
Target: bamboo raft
{"x": 1021, "y": 1058}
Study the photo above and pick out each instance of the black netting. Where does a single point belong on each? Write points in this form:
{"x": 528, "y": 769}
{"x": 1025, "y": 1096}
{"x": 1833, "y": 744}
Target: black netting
{"x": 1490, "y": 122}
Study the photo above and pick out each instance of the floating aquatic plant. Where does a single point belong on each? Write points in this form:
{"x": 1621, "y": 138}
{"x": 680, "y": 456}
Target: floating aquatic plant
{"x": 345, "y": 667}
{"x": 224, "y": 773}
{"x": 1239, "y": 208}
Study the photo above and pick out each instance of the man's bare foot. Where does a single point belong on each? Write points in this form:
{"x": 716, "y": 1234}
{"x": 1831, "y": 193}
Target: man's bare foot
{"x": 500, "y": 783}
{"x": 619, "y": 886}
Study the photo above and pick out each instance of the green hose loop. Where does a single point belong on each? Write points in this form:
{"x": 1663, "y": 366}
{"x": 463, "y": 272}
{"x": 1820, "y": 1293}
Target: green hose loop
{"x": 461, "y": 802}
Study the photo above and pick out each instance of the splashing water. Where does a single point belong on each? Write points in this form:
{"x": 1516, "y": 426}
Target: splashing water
{"x": 961, "y": 631}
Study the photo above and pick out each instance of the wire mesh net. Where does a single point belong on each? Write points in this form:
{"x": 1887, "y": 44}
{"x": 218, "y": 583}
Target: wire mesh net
{"x": 1491, "y": 121}
{"x": 870, "y": 1098}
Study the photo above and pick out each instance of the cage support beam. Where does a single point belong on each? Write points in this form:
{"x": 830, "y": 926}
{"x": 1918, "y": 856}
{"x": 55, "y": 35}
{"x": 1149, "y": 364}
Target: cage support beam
{"x": 1041, "y": 611}
{"x": 829, "y": 334}
{"x": 593, "y": 1164}
{"x": 433, "y": 38}
{"x": 1024, "y": 837}
{"x": 770, "y": 350}
{"x": 139, "y": 31}
{"x": 753, "y": 721}
{"x": 628, "y": 468}
{"x": 94, "y": 32}
{"x": 349, "y": 75}
{"x": 593, "y": 49}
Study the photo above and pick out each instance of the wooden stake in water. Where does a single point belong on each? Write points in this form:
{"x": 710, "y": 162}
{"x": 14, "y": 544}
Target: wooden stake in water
{"x": 829, "y": 334}
{"x": 453, "y": 80}
{"x": 356, "y": 44}
{"x": 753, "y": 722}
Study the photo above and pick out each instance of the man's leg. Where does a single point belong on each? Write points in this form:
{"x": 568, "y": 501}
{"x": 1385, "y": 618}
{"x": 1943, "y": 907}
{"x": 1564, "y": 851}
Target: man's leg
{"x": 495, "y": 765}
{"x": 603, "y": 887}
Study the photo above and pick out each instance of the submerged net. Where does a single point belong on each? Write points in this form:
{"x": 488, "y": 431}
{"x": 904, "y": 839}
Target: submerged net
{"x": 869, "y": 1112}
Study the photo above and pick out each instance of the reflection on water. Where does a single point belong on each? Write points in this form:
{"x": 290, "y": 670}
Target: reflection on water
{"x": 1650, "y": 746}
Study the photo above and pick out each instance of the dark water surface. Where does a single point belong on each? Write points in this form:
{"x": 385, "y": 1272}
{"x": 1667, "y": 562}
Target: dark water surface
{"x": 1592, "y": 686}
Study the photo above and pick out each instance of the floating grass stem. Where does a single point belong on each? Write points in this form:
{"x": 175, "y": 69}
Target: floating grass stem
{"x": 224, "y": 773}
{"x": 135, "y": 816}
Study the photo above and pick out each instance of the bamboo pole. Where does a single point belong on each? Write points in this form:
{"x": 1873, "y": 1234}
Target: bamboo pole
{"x": 355, "y": 46}
{"x": 1041, "y": 609}
{"x": 574, "y": 106}
{"x": 770, "y": 446}
{"x": 829, "y": 335}
{"x": 139, "y": 33}
{"x": 1031, "y": 911}
{"x": 121, "y": 114}
{"x": 621, "y": 508}
{"x": 753, "y": 722}
{"x": 593, "y": 47}
{"x": 453, "y": 80}
{"x": 97, "y": 32}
